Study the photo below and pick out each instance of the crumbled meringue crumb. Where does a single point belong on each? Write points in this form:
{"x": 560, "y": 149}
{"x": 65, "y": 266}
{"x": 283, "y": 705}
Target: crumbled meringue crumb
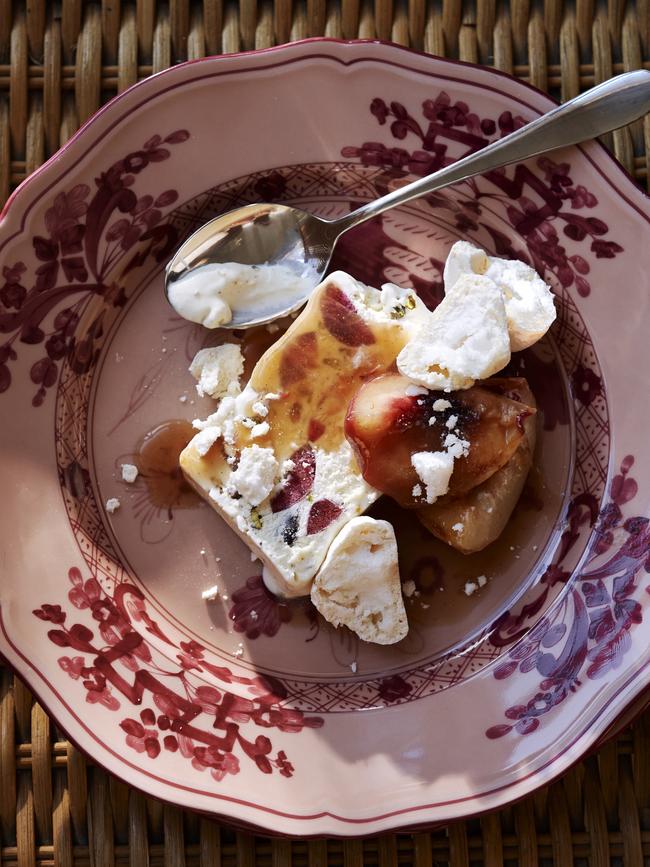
{"x": 260, "y": 430}
{"x": 112, "y": 505}
{"x": 408, "y": 588}
{"x": 353, "y": 667}
{"x": 440, "y": 404}
{"x": 211, "y": 593}
{"x": 470, "y": 587}
{"x": 129, "y": 473}
{"x": 260, "y": 409}
{"x": 482, "y": 580}
{"x": 458, "y": 528}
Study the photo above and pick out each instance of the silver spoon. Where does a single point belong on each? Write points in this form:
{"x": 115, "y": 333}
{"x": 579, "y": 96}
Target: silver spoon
{"x": 281, "y": 235}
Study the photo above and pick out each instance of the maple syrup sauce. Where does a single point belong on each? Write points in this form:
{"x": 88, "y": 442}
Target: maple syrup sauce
{"x": 157, "y": 462}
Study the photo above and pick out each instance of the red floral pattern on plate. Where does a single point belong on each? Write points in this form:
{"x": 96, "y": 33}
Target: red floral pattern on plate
{"x": 82, "y": 255}
{"x": 588, "y": 632}
{"x": 548, "y": 208}
{"x": 180, "y": 705}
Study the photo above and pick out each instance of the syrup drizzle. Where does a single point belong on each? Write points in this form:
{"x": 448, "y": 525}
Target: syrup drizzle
{"x": 157, "y": 462}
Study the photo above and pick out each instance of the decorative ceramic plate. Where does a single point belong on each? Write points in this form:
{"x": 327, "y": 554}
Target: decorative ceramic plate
{"x": 275, "y": 719}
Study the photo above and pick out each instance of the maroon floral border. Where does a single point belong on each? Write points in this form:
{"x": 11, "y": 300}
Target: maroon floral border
{"x": 92, "y": 240}
{"x": 541, "y": 200}
{"x": 174, "y": 710}
{"x": 588, "y": 634}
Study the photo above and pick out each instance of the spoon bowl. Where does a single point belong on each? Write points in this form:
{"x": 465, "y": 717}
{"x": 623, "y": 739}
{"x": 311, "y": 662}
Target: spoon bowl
{"x": 271, "y": 234}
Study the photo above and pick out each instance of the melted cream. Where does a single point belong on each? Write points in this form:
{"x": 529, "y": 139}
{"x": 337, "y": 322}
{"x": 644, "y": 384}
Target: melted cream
{"x": 208, "y": 293}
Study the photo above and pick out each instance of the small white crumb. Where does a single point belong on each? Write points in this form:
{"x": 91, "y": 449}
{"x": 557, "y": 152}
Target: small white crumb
{"x": 408, "y": 588}
{"x": 211, "y": 593}
{"x": 440, "y": 404}
{"x": 458, "y": 528}
{"x": 183, "y": 398}
{"x": 164, "y": 349}
{"x": 417, "y": 491}
{"x": 512, "y": 547}
{"x": 358, "y": 358}
{"x": 451, "y": 422}
{"x": 434, "y": 470}
{"x": 260, "y": 409}
{"x": 218, "y": 559}
{"x": 272, "y": 396}
{"x": 414, "y": 390}
{"x": 272, "y": 327}
{"x": 470, "y": 587}
{"x": 260, "y": 430}
{"x": 424, "y": 605}
{"x": 253, "y": 556}
{"x": 287, "y": 466}
{"x": 353, "y": 667}
{"x": 238, "y": 653}
{"x": 253, "y": 615}
{"x": 225, "y": 597}
{"x": 112, "y": 504}
{"x": 202, "y": 552}
{"x": 457, "y": 447}
{"x": 534, "y": 547}
{"x": 129, "y": 473}
{"x": 118, "y": 358}
{"x": 255, "y": 475}
{"x": 248, "y": 422}
{"x": 205, "y": 439}
{"x": 482, "y": 580}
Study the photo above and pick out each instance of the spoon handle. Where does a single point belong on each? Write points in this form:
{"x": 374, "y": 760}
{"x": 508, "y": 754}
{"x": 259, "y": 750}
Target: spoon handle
{"x": 608, "y": 106}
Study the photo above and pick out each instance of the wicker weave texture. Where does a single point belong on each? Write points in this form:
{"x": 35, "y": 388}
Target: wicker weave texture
{"x": 59, "y": 61}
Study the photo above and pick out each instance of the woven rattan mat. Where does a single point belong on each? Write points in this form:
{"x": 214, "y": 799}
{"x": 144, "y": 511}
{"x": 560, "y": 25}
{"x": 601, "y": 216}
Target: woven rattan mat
{"x": 59, "y": 61}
